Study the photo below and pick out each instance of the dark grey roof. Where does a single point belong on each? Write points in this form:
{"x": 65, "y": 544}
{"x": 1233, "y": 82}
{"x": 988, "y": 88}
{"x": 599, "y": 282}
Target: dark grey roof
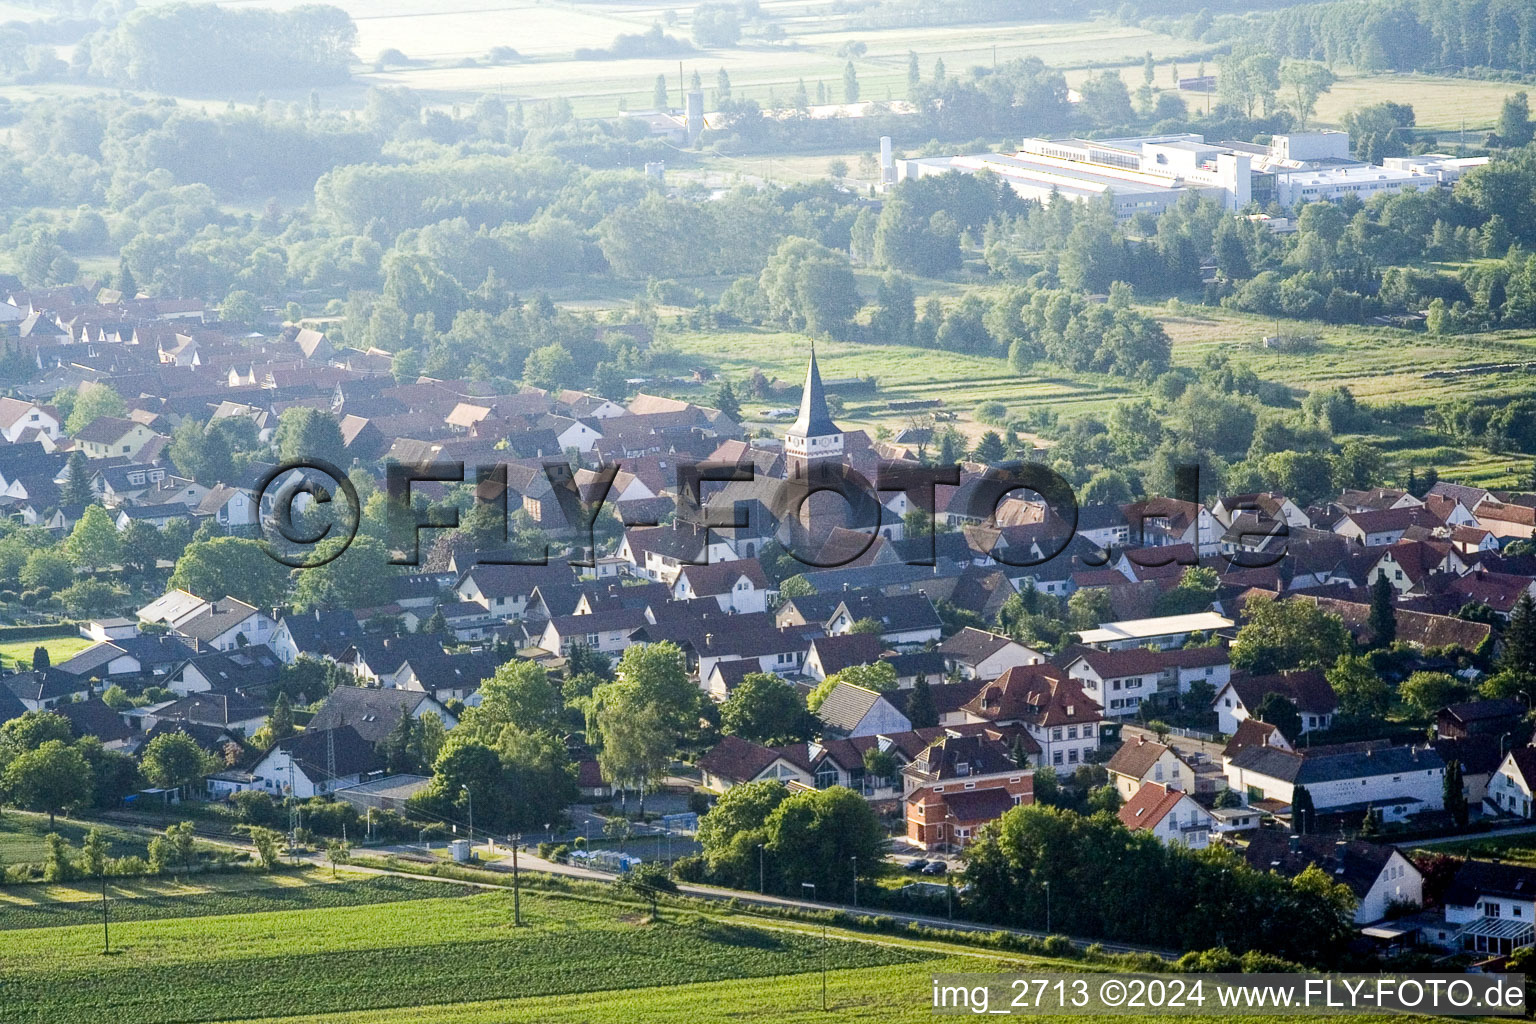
{"x": 1361, "y": 764}
{"x": 49, "y": 684}
{"x": 311, "y": 751}
{"x": 1482, "y": 878}
{"x": 372, "y": 711}
{"x": 846, "y": 706}
{"x": 215, "y": 620}
{"x": 322, "y": 632}
{"x": 814, "y": 420}
{"x": 1354, "y": 764}
{"x": 1357, "y": 864}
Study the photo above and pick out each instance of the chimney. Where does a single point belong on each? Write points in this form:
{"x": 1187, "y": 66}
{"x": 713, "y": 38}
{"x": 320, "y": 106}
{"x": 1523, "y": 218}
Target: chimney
{"x": 1295, "y": 844}
{"x": 1338, "y": 855}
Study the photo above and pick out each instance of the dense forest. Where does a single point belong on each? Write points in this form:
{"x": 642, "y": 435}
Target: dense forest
{"x": 1440, "y": 36}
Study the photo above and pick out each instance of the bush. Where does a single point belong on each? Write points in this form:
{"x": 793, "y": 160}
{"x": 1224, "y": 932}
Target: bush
{"x": 560, "y": 853}
{"x": 255, "y": 808}
{"x": 995, "y": 413}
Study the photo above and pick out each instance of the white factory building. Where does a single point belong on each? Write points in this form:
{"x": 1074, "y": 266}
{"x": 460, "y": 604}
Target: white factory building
{"x": 1153, "y": 172}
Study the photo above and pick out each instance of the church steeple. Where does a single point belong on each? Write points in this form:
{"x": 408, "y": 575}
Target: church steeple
{"x": 813, "y": 436}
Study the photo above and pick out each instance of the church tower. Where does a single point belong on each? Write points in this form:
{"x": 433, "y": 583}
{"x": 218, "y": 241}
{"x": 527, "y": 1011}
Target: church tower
{"x": 814, "y": 437}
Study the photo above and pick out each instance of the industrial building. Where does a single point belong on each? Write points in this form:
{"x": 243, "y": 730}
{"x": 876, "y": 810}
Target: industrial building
{"x": 1152, "y": 173}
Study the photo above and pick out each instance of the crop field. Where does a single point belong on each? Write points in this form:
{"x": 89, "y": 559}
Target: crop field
{"x": 452, "y": 49}
{"x": 403, "y": 954}
{"x": 219, "y": 895}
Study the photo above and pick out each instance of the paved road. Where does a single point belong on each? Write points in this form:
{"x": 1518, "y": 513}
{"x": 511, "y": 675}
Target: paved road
{"x": 1518, "y": 830}
{"x": 1210, "y": 750}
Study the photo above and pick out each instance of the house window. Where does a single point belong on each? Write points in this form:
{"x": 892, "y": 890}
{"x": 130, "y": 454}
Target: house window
{"x": 1071, "y": 732}
{"x": 1056, "y": 733}
{"x": 1056, "y": 757}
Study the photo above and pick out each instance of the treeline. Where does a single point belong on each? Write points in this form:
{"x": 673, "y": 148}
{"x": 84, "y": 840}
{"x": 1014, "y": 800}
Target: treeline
{"x": 1398, "y": 35}
{"x": 200, "y": 48}
{"x": 1130, "y": 887}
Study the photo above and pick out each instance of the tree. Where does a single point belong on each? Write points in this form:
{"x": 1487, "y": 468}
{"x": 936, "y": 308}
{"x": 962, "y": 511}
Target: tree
{"x": 465, "y": 764}
{"x": 730, "y": 832}
{"x": 659, "y": 98}
{"x": 234, "y": 567}
{"x": 765, "y": 709}
{"x": 796, "y": 586}
{"x": 850, "y": 84}
{"x": 1303, "y": 813}
{"x": 1106, "y": 100}
{"x": 268, "y": 843}
{"x": 93, "y": 853}
{"x": 807, "y": 286}
{"x": 1519, "y": 655}
{"x": 922, "y": 712}
{"x": 94, "y": 542}
{"x": 93, "y": 400}
{"x": 1383, "y": 617}
{"x": 1361, "y": 691}
{"x": 518, "y": 694}
{"x": 1455, "y": 793}
{"x": 637, "y": 744}
{"x": 716, "y": 24}
{"x": 1428, "y": 692}
{"x": 1288, "y": 634}
{"x": 727, "y": 403}
{"x": 174, "y": 761}
{"x": 1278, "y": 710}
{"x": 990, "y": 450}
{"x": 40, "y": 658}
{"x": 77, "y": 484}
{"x": 46, "y": 568}
{"x": 53, "y": 778}
{"x": 280, "y": 723}
{"x": 348, "y": 580}
{"x": 815, "y": 836}
{"x": 240, "y": 307}
{"x": 304, "y": 434}
{"x": 1515, "y": 128}
{"x": 914, "y": 76}
{"x": 550, "y": 367}
{"x": 1305, "y": 81}
{"x": 538, "y": 776}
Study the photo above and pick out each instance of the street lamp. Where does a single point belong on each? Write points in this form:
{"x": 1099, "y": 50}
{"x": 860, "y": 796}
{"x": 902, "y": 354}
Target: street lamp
{"x": 812, "y": 886}
{"x": 1047, "y": 908}
{"x": 471, "y": 797}
{"x": 1502, "y": 738}
{"x": 855, "y": 860}
{"x": 760, "y": 889}
{"x": 517, "y": 892}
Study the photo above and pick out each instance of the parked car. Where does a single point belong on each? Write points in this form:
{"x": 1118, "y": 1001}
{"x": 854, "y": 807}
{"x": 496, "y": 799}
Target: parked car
{"x": 936, "y": 867}
{"x": 916, "y": 865}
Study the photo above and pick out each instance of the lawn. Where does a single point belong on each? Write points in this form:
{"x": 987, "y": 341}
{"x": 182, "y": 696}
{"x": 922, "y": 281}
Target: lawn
{"x": 1520, "y": 848}
{"x": 22, "y": 839}
{"x": 60, "y": 648}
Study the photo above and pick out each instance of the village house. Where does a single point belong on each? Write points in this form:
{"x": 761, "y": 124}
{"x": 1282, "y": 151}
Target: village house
{"x": 1380, "y": 877}
{"x": 977, "y": 654}
{"x": 1169, "y": 814}
{"x": 1492, "y": 906}
{"x": 1308, "y": 690}
{"x": 851, "y": 710}
{"x": 1051, "y": 707}
{"x": 315, "y": 762}
{"x": 959, "y": 783}
{"x": 109, "y": 436}
{"x": 1393, "y": 783}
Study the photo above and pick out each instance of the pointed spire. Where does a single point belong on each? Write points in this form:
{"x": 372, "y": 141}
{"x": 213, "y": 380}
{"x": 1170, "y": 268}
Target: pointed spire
{"x": 814, "y": 420}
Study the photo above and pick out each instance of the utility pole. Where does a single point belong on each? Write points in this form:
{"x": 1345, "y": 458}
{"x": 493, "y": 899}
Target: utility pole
{"x": 812, "y": 886}
{"x": 1047, "y": 907}
{"x": 471, "y": 797}
{"x": 760, "y": 889}
{"x": 855, "y": 860}
{"x": 517, "y": 903}
{"x": 106, "y": 935}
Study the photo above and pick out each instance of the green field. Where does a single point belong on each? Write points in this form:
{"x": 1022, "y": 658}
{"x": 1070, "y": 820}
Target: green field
{"x": 404, "y": 954}
{"x": 60, "y": 648}
{"x": 1520, "y": 848}
{"x": 36, "y": 906}
{"x": 438, "y": 953}
{"x": 1378, "y": 364}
